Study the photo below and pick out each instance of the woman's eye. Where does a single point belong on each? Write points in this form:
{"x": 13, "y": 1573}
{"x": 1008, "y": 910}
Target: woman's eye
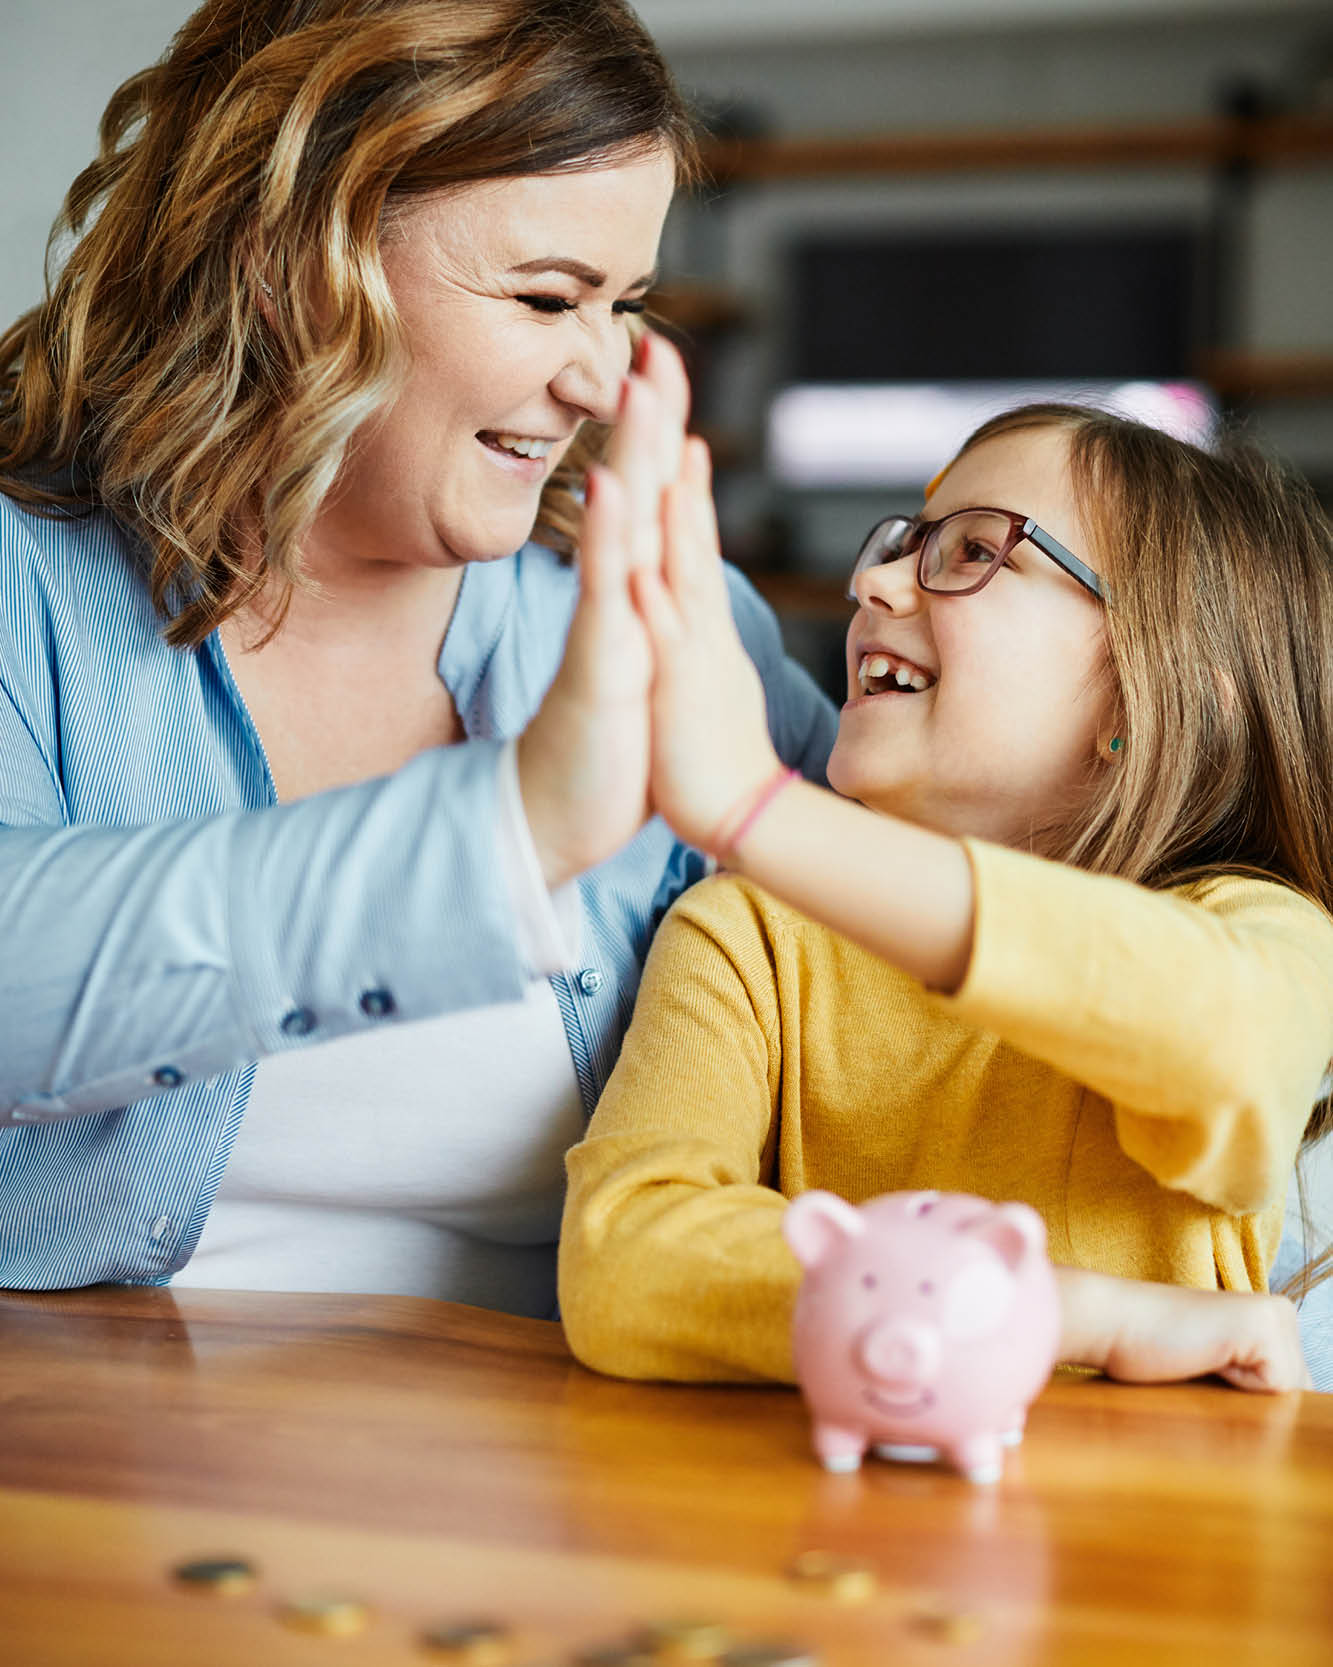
{"x": 628, "y": 306}
{"x": 547, "y": 303}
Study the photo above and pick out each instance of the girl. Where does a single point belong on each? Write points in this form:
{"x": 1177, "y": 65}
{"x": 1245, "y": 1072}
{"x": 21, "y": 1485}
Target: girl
{"x": 1079, "y": 954}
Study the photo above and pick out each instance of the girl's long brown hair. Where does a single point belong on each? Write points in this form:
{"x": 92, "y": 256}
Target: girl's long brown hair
{"x": 222, "y": 325}
{"x": 1220, "y": 567}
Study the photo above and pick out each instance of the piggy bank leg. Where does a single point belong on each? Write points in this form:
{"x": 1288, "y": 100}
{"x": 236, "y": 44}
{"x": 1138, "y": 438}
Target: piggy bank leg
{"x": 1012, "y": 1435}
{"x": 837, "y": 1449}
{"x": 980, "y": 1458}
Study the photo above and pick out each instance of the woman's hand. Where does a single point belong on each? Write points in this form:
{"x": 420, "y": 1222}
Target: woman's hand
{"x": 583, "y": 760}
{"x": 710, "y": 744}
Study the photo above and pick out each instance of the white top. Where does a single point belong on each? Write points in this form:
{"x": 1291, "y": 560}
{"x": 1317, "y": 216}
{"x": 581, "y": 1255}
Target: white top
{"x": 422, "y": 1159}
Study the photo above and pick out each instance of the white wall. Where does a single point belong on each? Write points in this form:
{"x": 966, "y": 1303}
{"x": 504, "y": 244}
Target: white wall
{"x": 60, "y": 60}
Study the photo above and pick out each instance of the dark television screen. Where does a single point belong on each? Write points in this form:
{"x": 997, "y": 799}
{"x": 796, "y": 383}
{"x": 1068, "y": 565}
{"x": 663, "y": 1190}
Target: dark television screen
{"x": 1022, "y": 303}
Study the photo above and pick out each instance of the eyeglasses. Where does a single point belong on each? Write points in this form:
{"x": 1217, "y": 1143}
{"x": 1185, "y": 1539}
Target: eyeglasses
{"x": 960, "y": 553}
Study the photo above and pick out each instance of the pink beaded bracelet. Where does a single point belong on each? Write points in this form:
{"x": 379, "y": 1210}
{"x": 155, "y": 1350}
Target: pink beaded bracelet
{"x": 725, "y": 841}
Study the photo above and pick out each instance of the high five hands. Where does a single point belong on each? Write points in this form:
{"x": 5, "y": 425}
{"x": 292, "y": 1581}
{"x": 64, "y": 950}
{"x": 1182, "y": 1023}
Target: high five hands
{"x": 656, "y": 706}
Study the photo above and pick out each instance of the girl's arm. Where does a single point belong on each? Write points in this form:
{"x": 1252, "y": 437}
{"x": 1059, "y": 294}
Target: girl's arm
{"x": 1147, "y": 1333}
{"x": 900, "y": 890}
{"x": 672, "y": 1260}
{"x": 1206, "y": 1019}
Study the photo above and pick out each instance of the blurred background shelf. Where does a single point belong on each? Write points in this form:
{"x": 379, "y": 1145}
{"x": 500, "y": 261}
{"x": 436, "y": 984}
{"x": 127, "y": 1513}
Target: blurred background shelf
{"x": 1211, "y": 143}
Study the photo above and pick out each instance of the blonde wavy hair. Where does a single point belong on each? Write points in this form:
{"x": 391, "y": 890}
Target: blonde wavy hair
{"x": 1220, "y": 570}
{"x": 222, "y": 326}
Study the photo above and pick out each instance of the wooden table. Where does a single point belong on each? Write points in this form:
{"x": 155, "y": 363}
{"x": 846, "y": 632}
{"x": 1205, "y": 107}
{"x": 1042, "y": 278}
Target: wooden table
{"x": 446, "y": 1464}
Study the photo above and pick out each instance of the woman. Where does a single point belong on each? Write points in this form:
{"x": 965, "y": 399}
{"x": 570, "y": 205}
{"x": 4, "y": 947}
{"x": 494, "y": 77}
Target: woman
{"x": 284, "y": 774}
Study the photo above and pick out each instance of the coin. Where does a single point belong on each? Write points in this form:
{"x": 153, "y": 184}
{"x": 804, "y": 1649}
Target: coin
{"x": 225, "y": 1577}
{"x": 949, "y": 1626}
{"x": 331, "y": 1616}
{"x": 769, "y": 1655}
{"x": 683, "y": 1640}
{"x": 615, "y": 1655}
{"x": 471, "y": 1643}
{"x": 842, "y": 1578}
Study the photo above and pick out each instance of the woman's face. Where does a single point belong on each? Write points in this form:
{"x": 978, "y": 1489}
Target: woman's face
{"x": 515, "y": 297}
{"x": 1003, "y": 741}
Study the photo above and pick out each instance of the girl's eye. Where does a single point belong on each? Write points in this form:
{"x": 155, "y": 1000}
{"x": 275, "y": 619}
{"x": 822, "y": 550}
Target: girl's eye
{"x": 978, "y": 553}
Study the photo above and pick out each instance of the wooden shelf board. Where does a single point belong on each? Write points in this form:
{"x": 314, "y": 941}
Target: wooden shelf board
{"x": 1237, "y": 374}
{"x": 1209, "y": 143}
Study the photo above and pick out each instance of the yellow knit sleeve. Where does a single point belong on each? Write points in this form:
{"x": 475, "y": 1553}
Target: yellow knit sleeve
{"x": 672, "y": 1263}
{"x": 1205, "y": 1014}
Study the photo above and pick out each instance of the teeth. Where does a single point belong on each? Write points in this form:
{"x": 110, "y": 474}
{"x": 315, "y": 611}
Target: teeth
{"x": 876, "y": 666}
{"x": 524, "y": 447}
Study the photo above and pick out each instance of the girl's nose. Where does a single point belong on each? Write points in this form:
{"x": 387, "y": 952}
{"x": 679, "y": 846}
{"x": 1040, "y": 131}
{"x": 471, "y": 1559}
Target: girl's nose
{"x": 892, "y": 586}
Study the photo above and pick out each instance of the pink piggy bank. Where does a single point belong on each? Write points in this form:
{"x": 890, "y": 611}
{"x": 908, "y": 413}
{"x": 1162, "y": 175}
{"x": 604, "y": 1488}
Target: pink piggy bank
{"x": 925, "y": 1325}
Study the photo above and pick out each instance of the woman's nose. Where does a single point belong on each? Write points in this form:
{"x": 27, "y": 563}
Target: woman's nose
{"x": 891, "y": 585}
{"x": 591, "y": 380}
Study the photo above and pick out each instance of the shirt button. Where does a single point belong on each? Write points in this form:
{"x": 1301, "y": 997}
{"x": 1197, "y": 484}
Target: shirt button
{"x": 161, "y": 1227}
{"x": 167, "y": 1076}
{"x": 377, "y": 1004}
{"x": 590, "y": 981}
{"x": 299, "y": 1022}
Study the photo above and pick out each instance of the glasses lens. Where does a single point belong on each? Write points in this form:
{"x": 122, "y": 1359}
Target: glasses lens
{"x": 963, "y": 548}
{"x": 885, "y": 543}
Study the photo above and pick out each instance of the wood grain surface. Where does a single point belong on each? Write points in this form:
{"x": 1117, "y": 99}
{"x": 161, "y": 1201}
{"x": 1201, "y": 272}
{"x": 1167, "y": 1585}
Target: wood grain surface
{"x": 444, "y": 1465}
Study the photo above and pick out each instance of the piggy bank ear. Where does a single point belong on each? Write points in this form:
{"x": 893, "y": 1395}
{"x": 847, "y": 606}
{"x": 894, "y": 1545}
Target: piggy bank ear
{"x": 816, "y": 1223}
{"x": 1015, "y": 1232}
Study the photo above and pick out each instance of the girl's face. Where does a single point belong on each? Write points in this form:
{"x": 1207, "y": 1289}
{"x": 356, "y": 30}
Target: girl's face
{"x": 1003, "y": 742}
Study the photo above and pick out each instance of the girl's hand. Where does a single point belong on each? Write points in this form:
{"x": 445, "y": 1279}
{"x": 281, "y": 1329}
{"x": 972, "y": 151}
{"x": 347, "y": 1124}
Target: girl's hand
{"x": 711, "y": 749}
{"x": 1148, "y": 1333}
{"x": 583, "y": 760}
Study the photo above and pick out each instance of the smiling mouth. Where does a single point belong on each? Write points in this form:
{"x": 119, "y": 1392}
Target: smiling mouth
{"x": 887, "y": 674}
{"x": 900, "y": 1409}
{"x": 527, "y": 446}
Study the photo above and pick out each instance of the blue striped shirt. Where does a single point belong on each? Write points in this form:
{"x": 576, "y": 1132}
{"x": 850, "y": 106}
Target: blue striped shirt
{"x": 166, "y": 923}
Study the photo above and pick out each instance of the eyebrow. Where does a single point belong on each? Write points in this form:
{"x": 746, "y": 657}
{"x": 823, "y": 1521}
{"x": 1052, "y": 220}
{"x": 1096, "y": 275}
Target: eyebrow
{"x": 588, "y": 275}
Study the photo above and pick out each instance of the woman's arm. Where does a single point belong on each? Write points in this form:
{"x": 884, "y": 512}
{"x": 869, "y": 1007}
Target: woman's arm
{"x": 187, "y": 945}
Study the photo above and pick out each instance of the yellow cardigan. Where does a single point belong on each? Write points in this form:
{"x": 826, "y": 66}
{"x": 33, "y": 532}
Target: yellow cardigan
{"x": 1136, "y": 1065}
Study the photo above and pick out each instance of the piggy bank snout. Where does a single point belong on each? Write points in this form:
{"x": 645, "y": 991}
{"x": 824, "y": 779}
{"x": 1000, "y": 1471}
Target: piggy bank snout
{"x": 901, "y": 1350}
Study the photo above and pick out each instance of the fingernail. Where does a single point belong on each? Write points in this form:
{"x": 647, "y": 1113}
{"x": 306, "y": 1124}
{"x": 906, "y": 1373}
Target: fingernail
{"x": 642, "y": 350}
{"x": 624, "y": 398}
{"x": 590, "y": 486}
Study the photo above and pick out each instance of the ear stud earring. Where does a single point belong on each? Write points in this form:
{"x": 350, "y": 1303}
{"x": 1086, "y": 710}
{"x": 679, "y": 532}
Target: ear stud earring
{"x": 1114, "y": 745}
